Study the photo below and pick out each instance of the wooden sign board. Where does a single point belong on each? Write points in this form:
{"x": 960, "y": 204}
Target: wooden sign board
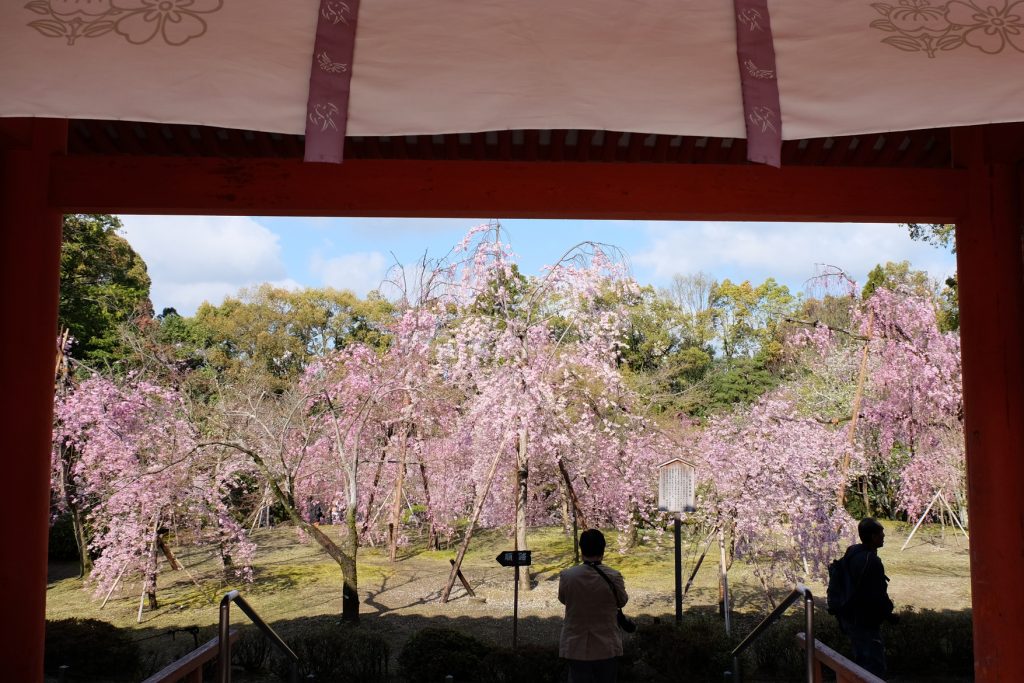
{"x": 514, "y": 558}
{"x": 676, "y": 486}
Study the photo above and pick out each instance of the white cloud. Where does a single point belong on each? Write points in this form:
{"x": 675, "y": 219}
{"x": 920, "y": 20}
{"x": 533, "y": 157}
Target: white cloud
{"x": 786, "y": 251}
{"x": 192, "y": 259}
{"x": 359, "y": 272}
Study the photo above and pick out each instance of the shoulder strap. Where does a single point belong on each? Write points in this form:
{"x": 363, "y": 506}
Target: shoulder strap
{"x": 860, "y": 579}
{"x": 615, "y": 592}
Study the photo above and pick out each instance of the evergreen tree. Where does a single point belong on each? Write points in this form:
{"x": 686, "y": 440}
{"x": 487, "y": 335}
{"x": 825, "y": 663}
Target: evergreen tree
{"x": 103, "y": 285}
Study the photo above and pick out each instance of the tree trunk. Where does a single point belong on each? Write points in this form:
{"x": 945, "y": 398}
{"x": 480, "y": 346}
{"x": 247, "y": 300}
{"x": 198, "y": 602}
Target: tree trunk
{"x": 564, "y": 508}
{"x": 226, "y": 562}
{"x": 349, "y": 571}
{"x": 396, "y": 505}
{"x": 84, "y": 560}
{"x": 346, "y": 561}
{"x": 152, "y": 567}
{"x": 67, "y": 457}
{"x": 633, "y": 532}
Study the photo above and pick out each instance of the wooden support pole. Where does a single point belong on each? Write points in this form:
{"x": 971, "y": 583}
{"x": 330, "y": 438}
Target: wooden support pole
{"x": 478, "y": 506}
{"x": 696, "y": 566}
{"x": 171, "y": 559}
{"x": 462, "y": 579}
{"x": 30, "y": 233}
{"x": 990, "y": 262}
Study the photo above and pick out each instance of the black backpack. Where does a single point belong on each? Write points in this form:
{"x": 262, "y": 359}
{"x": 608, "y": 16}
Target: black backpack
{"x": 841, "y": 588}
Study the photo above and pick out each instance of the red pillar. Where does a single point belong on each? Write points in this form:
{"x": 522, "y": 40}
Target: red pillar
{"x": 29, "y": 275}
{"x": 990, "y": 264}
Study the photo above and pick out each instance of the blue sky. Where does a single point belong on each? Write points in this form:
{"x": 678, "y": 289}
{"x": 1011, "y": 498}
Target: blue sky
{"x": 192, "y": 259}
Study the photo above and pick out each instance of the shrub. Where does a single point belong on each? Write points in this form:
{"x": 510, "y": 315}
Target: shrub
{"x": 922, "y": 645}
{"x": 698, "y": 646}
{"x": 776, "y": 654}
{"x": 528, "y": 664}
{"x": 92, "y": 649}
{"x": 930, "y": 642}
{"x": 331, "y": 650}
{"x": 434, "y": 653}
{"x": 251, "y": 649}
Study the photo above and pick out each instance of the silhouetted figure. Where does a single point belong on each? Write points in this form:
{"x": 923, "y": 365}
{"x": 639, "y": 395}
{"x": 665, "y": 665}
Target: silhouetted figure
{"x": 590, "y": 639}
{"x": 869, "y": 603}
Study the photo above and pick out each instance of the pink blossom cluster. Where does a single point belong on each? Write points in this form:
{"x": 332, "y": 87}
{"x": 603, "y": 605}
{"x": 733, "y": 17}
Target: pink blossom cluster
{"x": 770, "y": 475}
{"x": 136, "y": 475}
{"x": 912, "y": 393}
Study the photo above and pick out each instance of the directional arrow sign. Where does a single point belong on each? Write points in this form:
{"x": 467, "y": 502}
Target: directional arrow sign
{"x": 514, "y": 558}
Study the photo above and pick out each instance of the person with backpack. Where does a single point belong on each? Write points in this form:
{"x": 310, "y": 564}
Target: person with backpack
{"x": 593, "y": 595}
{"x": 858, "y": 594}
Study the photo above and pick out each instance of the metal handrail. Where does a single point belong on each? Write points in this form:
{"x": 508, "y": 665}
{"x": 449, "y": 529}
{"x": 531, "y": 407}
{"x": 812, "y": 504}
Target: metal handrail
{"x": 800, "y": 590}
{"x": 224, "y": 640}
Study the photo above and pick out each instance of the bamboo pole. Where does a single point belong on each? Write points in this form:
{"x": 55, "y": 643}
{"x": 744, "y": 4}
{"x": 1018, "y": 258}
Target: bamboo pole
{"x": 114, "y": 585}
{"x": 914, "y": 531}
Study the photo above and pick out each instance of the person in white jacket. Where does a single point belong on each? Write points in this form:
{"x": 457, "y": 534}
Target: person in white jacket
{"x": 591, "y": 640}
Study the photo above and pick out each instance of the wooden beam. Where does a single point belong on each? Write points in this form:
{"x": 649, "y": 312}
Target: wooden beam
{"x": 29, "y": 277}
{"x": 990, "y": 263}
{"x": 376, "y": 187}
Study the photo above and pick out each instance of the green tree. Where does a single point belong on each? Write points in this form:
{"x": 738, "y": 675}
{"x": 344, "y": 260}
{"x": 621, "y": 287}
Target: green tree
{"x": 899, "y": 276}
{"x": 741, "y": 381}
{"x": 748, "y": 319}
{"x": 103, "y": 285}
{"x": 661, "y": 358}
{"x": 830, "y": 310}
{"x": 949, "y": 305}
{"x": 653, "y": 331}
{"x": 942, "y": 235}
{"x": 277, "y": 331}
{"x": 693, "y": 295}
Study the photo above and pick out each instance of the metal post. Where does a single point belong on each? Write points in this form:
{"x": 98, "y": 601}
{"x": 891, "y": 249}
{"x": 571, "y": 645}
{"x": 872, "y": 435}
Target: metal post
{"x": 809, "y": 626}
{"x": 515, "y": 612}
{"x": 679, "y": 570}
{"x": 725, "y": 582}
{"x": 224, "y": 642}
{"x": 736, "y": 677}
